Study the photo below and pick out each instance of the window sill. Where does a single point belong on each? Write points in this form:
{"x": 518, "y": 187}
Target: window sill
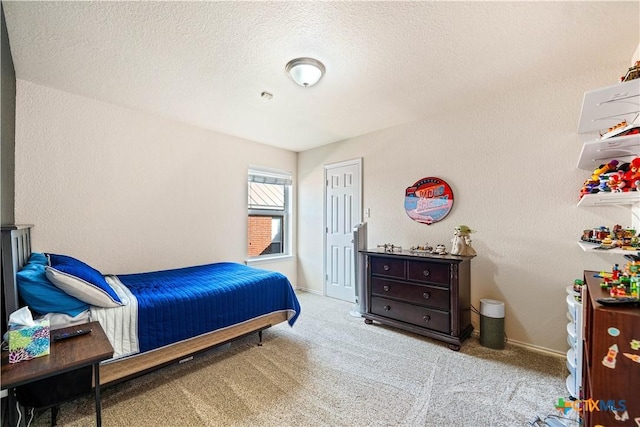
{"x": 268, "y": 259}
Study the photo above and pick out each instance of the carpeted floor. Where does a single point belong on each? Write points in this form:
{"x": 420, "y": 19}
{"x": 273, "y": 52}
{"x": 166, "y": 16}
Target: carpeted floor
{"x": 331, "y": 369}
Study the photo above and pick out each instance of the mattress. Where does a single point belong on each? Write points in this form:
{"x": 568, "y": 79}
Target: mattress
{"x": 169, "y": 306}
{"x": 120, "y": 324}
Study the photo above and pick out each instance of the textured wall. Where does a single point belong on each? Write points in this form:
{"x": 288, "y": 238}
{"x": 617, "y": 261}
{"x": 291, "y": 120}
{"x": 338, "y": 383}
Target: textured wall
{"x": 8, "y": 111}
{"x": 511, "y": 161}
{"x": 128, "y": 191}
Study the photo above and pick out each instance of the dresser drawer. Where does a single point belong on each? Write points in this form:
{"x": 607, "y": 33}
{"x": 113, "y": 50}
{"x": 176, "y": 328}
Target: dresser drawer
{"x": 387, "y": 267}
{"x": 417, "y": 294}
{"x": 430, "y": 272}
{"x": 409, "y": 313}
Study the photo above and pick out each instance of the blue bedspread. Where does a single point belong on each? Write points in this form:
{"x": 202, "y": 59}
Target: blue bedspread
{"x": 174, "y": 305}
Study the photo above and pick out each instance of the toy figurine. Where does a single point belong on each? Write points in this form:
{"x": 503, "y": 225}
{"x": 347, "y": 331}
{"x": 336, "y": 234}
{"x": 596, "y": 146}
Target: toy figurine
{"x": 422, "y": 248}
{"x": 608, "y": 167}
{"x": 633, "y": 292}
{"x": 440, "y": 250}
{"x": 461, "y": 242}
{"x": 632, "y": 174}
{"x": 615, "y": 273}
{"x": 616, "y": 182}
{"x": 604, "y": 183}
{"x": 632, "y": 73}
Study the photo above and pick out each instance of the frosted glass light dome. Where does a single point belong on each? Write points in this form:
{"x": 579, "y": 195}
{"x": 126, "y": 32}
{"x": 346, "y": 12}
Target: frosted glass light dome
{"x": 305, "y": 71}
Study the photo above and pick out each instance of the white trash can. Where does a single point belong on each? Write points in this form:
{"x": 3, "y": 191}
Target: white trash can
{"x": 492, "y": 323}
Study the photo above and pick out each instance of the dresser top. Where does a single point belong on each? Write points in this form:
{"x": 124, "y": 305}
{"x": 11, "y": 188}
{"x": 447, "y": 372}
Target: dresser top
{"x": 411, "y": 254}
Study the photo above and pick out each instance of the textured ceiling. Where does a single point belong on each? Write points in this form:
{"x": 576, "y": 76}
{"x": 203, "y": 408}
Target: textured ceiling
{"x": 388, "y": 63}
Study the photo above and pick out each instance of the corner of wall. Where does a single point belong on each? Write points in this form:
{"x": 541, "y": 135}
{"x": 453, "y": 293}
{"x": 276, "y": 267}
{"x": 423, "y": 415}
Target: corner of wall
{"x": 7, "y": 143}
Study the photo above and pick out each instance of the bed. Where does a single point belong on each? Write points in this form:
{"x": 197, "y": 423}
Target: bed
{"x": 152, "y": 319}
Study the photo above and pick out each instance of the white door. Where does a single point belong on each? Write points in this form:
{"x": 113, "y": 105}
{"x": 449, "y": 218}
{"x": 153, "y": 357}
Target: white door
{"x": 342, "y": 212}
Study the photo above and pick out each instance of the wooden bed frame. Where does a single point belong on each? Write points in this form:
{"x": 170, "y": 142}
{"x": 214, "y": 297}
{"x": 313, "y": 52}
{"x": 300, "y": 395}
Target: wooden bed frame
{"x": 16, "y": 250}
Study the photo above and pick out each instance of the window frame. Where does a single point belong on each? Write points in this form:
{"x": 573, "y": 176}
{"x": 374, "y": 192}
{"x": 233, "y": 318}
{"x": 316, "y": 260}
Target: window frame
{"x": 276, "y": 177}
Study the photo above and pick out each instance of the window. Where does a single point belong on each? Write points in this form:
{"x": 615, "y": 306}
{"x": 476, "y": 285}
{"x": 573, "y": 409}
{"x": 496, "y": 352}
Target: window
{"x": 268, "y": 213}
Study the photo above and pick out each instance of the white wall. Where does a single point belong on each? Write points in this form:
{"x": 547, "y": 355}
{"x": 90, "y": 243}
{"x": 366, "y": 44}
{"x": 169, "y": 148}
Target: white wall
{"x": 128, "y": 191}
{"x": 511, "y": 161}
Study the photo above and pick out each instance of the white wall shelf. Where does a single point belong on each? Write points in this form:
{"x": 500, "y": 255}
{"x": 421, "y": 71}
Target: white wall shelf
{"x": 601, "y": 109}
{"x": 606, "y": 107}
{"x": 628, "y": 198}
{"x": 621, "y": 148}
{"x": 592, "y": 247}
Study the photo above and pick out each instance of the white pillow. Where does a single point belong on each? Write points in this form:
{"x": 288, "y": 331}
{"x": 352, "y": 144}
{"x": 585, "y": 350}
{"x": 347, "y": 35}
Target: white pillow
{"x": 81, "y": 289}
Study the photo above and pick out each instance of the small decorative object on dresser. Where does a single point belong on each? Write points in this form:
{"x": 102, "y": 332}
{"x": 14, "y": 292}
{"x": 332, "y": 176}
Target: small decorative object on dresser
{"x": 461, "y": 242}
{"x": 427, "y": 294}
{"x": 440, "y": 250}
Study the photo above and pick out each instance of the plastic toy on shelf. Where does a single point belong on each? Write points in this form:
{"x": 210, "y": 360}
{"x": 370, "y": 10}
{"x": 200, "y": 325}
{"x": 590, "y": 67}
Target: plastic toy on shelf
{"x": 621, "y": 129}
{"x": 577, "y": 285}
{"x": 613, "y": 177}
{"x": 618, "y": 237}
{"x": 632, "y": 176}
{"x": 633, "y": 73}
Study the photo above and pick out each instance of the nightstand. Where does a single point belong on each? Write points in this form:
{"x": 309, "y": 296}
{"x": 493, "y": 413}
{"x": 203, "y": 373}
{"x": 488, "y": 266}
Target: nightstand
{"x": 65, "y": 356}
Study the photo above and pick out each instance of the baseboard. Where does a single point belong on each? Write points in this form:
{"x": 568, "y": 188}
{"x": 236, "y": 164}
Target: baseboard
{"x": 548, "y": 351}
{"x": 537, "y": 348}
{"x": 311, "y": 291}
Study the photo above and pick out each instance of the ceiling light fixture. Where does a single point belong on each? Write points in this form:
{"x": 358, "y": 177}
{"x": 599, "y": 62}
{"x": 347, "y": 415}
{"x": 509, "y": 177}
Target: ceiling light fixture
{"x": 305, "y": 71}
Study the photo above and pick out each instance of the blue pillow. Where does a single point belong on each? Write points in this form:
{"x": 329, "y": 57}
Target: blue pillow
{"x": 81, "y": 281}
{"x": 42, "y": 296}
{"x": 38, "y": 258}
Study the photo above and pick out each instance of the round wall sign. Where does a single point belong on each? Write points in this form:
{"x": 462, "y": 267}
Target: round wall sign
{"x": 429, "y": 200}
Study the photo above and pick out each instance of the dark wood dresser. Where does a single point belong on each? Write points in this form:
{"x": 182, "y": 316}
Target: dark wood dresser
{"x": 422, "y": 293}
{"x": 611, "y": 364}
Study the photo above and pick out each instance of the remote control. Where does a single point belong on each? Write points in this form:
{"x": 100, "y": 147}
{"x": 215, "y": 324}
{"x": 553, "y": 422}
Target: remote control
{"x": 71, "y": 334}
{"x": 618, "y": 301}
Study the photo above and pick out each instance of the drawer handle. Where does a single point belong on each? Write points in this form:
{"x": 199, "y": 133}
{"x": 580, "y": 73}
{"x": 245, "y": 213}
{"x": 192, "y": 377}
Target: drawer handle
{"x": 386, "y": 288}
{"x": 426, "y": 295}
{"x": 386, "y": 267}
{"x": 425, "y": 272}
{"x": 426, "y": 318}
{"x": 387, "y": 308}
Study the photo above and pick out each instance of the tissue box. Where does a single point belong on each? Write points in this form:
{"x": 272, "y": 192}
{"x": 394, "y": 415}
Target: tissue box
{"x": 27, "y": 343}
